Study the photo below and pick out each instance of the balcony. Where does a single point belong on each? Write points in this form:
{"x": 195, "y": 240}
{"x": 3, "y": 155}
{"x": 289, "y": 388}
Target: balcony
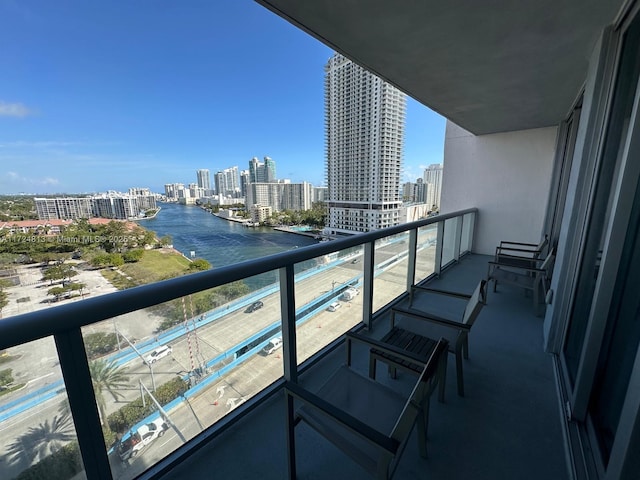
{"x": 506, "y": 426}
{"x": 230, "y": 417}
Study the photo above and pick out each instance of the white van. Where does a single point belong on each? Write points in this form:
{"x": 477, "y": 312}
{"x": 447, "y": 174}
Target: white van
{"x": 272, "y": 346}
{"x": 349, "y": 294}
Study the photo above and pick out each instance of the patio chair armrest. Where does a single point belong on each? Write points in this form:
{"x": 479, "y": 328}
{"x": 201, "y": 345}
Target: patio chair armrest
{"x": 499, "y": 251}
{"x": 429, "y": 318}
{"x": 346, "y": 420}
{"x": 383, "y": 347}
{"x": 524, "y": 269}
{"x": 521, "y": 244}
{"x": 442, "y": 292}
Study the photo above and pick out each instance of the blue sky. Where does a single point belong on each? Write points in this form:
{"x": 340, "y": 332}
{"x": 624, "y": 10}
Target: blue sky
{"x": 99, "y": 96}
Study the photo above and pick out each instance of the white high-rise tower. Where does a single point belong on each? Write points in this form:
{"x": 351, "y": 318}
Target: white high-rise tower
{"x": 364, "y": 122}
{"x": 433, "y": 182}
{"x": 204, "y": 179}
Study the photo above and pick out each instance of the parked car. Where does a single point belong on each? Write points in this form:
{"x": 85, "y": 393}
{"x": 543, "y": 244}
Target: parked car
{"x": 355, "y": 260}
{"x": 272, "y": 346}
{"x": 142, "y": 437}
{"x": 349, "y": 294}
{"x": 334, "y": 306}
{"x": 254, "y": 306}
{"x": 158, "y": 353}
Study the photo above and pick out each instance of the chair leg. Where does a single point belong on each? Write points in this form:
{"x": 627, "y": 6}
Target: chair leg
{"x": 459, "y": 373}
{"x": 423, "y": 428}
{"x": 372, "y": 367}
{"x": 442, "y": 377}
{"x": 465, "y": 347}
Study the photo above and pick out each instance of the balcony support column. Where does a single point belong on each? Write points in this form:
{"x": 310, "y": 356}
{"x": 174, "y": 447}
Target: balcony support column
{"x": 437, "y": 266}
{"x": 458, "y": 238}
{"x": 411, "y": 267}
{"x": 82, "y": 401}
{"x": 288, "y": 315}
{"x": 367, "y": 287}
{"x": 472, "y": 228}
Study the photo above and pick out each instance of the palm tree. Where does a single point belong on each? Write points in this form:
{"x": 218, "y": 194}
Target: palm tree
{"x": 42, "y": 440}
{"x": 107, "y": 376}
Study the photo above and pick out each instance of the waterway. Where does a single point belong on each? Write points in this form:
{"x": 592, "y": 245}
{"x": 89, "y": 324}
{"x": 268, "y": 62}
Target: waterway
{"x": 219, "y": 241}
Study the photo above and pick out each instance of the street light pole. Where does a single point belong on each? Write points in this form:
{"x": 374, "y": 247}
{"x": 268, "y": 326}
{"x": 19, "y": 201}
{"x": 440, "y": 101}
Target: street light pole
{"x": 164, "y": 414}
{"x": 148, "y": 364}
{"x": 116, "y": 330}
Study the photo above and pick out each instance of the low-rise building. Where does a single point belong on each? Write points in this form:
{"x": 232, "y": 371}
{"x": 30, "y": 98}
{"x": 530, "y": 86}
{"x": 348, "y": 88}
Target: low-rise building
{"x": 259, "y": 213}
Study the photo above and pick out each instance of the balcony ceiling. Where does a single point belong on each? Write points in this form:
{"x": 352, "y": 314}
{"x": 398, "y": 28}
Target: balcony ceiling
{"x": 487, "y": 66}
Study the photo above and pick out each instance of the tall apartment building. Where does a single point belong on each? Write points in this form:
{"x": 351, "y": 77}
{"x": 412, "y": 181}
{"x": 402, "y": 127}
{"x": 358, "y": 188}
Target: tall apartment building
{"x": 116, "y": 206}
{"x": 433, "y": 182}
{"x": 65, "y": 208}
{"x": 320, "y": 194}
{"x": 260, "y": 172}
{"x": 227, "y": 182}
{"x": 281, "y": 196}
{"x": 364, "y": 129}
{"x": 172, "y": 191}
{"x": 269, "y": 170}
{"x": 146, "y": 199}
{"x": 244, "y": 181}
{"x": 195, "y": 191}
{"x": 414, "y": 192}
{"x": 204, "y": 179}
{"x": 108, "y": 205}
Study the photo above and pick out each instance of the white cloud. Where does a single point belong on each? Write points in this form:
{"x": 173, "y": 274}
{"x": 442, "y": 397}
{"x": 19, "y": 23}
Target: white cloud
{"x": 16, "y": 178}
{"x": 13, "y": 110}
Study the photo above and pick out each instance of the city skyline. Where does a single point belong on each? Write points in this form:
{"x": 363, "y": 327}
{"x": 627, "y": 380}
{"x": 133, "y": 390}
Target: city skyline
{"x": 93, "y": 98}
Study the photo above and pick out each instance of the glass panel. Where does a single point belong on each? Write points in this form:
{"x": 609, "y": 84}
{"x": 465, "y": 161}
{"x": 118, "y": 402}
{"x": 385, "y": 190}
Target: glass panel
{"x": 426, "y": 252}
{"x": 199, "y": 356}
{"x": 620, "y": 345}
{"x": 602, "y": 200}
{"x": 390, "y": 270}
{"x": 448, "y": 241}
{"x": 38, "y": 434}
{"x": 328, "y": 300}
{"x": 467, "y": 233}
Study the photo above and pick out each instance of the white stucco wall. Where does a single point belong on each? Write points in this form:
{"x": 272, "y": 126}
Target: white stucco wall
{"x": 505, "y": 175}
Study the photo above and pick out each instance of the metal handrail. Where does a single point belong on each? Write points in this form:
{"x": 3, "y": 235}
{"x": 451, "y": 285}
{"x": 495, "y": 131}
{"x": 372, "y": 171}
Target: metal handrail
{"x": 31, "y": 326}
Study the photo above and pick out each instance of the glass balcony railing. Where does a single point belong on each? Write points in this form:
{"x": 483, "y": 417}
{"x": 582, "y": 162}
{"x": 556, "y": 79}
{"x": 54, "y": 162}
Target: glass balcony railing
{"x": 95, "y": 384}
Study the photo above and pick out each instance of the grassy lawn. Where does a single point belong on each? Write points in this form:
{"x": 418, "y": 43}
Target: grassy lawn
{"x": 154, "y": 266}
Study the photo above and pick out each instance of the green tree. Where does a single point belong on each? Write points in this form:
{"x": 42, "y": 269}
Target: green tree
{"x": 199, "y": 265}
{"x": 107, "y": 376}
{"x": 56, "y": 292}
{"x": 76, "y": 286}
{"x": 101, "y": 260}
{"x": 59, "y": 272}
{"x": 166, "y": 240}
{"x": 100, "y": 343}
{"x": 148, "y": 238}
{"x": 116, "y": 259}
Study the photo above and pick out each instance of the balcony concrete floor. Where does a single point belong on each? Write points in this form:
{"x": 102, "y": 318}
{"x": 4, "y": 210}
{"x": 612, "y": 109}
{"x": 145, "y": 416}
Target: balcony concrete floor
{"x": 506, "y": 427}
